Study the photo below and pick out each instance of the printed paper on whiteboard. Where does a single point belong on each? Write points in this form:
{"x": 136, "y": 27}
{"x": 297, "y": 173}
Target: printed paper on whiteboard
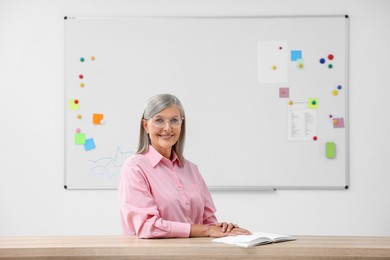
{"x": 272, "y": 60}
{"x": 302, "y": 122}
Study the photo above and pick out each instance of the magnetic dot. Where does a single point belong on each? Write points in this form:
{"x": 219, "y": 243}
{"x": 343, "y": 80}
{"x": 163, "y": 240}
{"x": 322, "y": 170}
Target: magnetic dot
{"x": 79, "y": 117}
{"x": 274, "y": 67}
{"x": 322, "y": 60}
{"x": 92, "y": 57}
{"x": 300, "y": 65}
{"x": 76, "y": 101}
{"x": 82, "y": 84}
{"x": 313, "y": 102}
{"x": 78, "y": 130}
{"x": 335, "y": 92}
{"x": 315, "y": 138}
{"x": 330, "y": 56}
{"x": 81, "y": 76}
{"x": 280, "y": 47}
{"x": 290, "y": 102}
{"x": 82, "y": 59}
{"x": 330, "y": 116}
{"x": 339, "y": 87}
{"x": 334, "y": 121}
{"x": 330, "y": 66}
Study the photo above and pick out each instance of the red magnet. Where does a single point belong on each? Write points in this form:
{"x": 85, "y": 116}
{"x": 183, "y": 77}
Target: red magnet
{"x": 76, "y": 101}
{"x": 330, "y": 56}
{"x": 315, "y": 138}
{"x": 81, "y": 76}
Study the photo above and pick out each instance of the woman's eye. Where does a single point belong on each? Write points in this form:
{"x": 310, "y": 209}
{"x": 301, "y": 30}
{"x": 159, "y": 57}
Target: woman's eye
{"x": 174, "y": 120}
{"x": 159, "y": 120}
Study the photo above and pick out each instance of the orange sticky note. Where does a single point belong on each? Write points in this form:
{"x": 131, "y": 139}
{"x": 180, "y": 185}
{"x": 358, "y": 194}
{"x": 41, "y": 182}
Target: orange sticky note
{"x": 97, "y": 119}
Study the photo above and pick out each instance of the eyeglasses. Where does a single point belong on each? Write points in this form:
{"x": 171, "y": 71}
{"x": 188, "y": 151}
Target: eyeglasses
{"x": 174, "y": 122}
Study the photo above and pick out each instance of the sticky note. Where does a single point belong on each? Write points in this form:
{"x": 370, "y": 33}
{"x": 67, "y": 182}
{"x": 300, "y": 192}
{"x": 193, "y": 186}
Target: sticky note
{"x": 300, "y": 64}
{"x": 79, "y": 138}
{"x": 313, "y": 103}
{"x": 89, "y": 144}
{"x": 338, "y": 122}
{"x": 97, "y": 119}
{"x": 73, "y": 104}
{"x": 295, "y": 55}
{"x": 284, "y": 92}
{"x": 330, "y": 149}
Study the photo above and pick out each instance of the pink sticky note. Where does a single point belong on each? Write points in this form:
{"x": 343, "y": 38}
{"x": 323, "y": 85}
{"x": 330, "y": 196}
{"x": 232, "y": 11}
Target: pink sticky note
{"x": 338, "y": 122}
{"x": 284, "y": 92}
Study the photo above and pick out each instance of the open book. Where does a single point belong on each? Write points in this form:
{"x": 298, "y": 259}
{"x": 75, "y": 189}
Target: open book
{"x": 256, "y": 239}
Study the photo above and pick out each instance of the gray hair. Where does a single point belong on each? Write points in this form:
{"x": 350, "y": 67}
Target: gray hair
{"x": 154, "y": 106}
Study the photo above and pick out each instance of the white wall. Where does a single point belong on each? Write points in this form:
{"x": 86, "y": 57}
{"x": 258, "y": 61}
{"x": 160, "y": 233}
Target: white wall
{"x": 32, "y": 198}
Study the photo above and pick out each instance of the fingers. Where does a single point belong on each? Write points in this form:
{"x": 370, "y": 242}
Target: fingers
{"x": 216, "y": 231}
{"x": 226, "y": 227}
{"x": 241, "y": 231}
{"x": 232, "y": 229}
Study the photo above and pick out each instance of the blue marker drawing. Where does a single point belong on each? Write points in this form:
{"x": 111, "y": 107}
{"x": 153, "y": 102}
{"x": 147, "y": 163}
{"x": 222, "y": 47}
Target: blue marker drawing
{"x": 109, "y": 166}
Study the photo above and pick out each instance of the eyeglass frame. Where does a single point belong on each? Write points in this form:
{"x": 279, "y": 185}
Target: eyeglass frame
{"x": 165, "y": 122}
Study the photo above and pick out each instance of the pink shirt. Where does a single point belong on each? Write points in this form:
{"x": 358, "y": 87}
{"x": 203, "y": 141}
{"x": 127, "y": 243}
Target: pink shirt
{"x": 162, "y": 198}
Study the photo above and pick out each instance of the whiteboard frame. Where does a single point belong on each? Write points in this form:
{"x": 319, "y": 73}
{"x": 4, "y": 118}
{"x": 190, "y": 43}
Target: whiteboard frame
{"x": 240, "y": 188}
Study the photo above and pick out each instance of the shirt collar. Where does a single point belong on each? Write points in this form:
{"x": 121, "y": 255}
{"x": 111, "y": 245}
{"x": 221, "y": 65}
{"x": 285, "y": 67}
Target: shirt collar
{"x": 155, "y": 157}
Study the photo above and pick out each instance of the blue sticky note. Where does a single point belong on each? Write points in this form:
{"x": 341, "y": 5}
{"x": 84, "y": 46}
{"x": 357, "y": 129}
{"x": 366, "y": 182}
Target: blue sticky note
{"x": 89, "y": 144}
{"x": 296, "y": 55}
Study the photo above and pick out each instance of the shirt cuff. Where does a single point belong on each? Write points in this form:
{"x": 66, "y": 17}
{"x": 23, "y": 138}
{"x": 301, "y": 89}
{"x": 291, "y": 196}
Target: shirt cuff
{"x": 179, "y": 229}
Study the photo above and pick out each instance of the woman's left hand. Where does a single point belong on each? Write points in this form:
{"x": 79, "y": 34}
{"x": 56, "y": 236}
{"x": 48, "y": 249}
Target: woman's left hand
{"x": 233, "y": 229}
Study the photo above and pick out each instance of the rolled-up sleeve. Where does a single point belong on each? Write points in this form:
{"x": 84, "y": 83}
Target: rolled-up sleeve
{"x": 139, "y": 212}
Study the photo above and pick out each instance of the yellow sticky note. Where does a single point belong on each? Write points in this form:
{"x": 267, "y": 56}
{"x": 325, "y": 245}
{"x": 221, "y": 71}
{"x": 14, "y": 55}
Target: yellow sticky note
{"x": 74, "y": 104}
{"x": 97, "y": 119}
{"x": 313, "y": 103}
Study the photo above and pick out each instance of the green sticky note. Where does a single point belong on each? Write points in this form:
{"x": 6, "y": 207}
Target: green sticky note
{"x": 73, "y": 104}
{"x": 79, "y": 138}
{"x": 313, "y": 103}
{"x": 330, "y": 148}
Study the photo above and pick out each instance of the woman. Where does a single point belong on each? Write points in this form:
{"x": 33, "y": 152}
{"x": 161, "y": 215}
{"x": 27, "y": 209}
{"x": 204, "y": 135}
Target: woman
{"x": 162, "y": 194}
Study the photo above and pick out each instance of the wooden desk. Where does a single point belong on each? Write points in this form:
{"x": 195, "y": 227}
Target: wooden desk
{"x": 120, "y": 247}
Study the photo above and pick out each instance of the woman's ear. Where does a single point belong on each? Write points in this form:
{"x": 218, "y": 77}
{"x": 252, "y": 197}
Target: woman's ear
{"x": 145, "y": 125}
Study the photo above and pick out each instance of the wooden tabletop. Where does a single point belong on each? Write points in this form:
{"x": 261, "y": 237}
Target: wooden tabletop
{"x": 121, "y": 247}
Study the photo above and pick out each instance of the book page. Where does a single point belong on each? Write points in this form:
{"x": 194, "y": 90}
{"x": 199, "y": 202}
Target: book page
{"x": 257, "y": 238}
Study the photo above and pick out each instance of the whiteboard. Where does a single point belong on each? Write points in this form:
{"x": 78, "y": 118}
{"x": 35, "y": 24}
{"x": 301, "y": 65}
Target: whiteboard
{"x": 264, "y": 97}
